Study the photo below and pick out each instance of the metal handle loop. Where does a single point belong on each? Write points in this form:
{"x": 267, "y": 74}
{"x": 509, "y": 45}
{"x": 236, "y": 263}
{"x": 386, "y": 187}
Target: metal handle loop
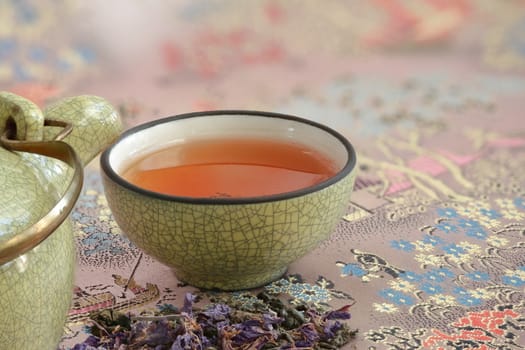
{"x": 38, "y": 232}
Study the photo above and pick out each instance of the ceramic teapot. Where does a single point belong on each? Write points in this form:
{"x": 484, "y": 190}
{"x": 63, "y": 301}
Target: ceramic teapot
{"x": 41, "y": 158}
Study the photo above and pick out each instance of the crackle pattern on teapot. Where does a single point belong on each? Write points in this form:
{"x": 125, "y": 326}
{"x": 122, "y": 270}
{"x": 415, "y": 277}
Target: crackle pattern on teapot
{"x": 36, "y": 287}
{"x": 25, "y": 114}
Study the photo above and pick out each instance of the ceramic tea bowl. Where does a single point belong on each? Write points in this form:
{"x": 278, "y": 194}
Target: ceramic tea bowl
{"x": 228, "y": 243}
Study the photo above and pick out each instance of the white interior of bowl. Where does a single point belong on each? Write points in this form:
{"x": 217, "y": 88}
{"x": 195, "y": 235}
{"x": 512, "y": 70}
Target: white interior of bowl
{"x": 159, "y": 136}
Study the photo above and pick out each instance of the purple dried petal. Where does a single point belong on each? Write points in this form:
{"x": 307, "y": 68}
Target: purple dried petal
{"x": 269, "y": 320}
{"x": 91, "y": 343}
{"x": 119, "y": 339}
{"x": 83, "y": 346}
{"x": 302, "y": 344}
{"x": 182, "y": 342}
{"x": 250, "y": 332}
{"x": 247, "y": 336}
{"x": 218, "y": 309}
{"x": 217, "y": 312}
{"x": 189, "y": 300}
{"x": 92, "y": 340}
{"x": 157, "y": 333}
{"x": 222, "y": 324}
{"x": 330, "y": 328}
{"x": 219, "y": 326}
{"x": 248, "y": 324}
{"x": 206, "y": 343}
{"x": 339, "y": 314}
{"x": 139, "y": 327}
{"x": 308, "y": 333}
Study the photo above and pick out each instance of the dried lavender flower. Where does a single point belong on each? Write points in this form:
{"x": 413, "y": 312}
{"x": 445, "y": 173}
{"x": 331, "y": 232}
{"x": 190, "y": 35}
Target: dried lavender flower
{"x": 225, "y": 325}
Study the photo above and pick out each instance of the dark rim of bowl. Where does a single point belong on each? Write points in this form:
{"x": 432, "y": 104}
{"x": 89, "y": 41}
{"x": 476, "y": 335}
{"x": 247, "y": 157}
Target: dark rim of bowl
{"x": 348, "y": 167}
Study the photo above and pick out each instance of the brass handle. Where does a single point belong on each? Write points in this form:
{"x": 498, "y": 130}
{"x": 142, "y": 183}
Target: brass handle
{"x": 38, "y": 232}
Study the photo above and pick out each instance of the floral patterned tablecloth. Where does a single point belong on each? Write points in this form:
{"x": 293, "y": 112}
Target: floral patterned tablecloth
{"x": 431, "y": 250}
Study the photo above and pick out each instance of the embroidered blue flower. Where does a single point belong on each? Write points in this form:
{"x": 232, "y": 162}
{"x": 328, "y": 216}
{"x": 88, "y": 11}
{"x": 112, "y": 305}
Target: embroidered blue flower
{"x": 396, "y": 296}
{"x": 403, "y": 245}
{"x": 410, "y": 276}
{"x": 454, "y": 249}
{"x": 519, "y": 202}
{"x": 439, "y": 275}
{"x": 433, "y": 240}
{"x": 478, "y": 276}
{"x": 353, "y": 270}
{"x": 25, "y": 12}
{"x": 464, "y": 297}
{"x": 83, "y": 219}
{"x": 460, "y": 291}
{"x": 447, "y": 212}
{"x": 513, "y": 280}
{"x": 469, "y": 300}
{"x": 469, "y": 224}
{"x": 314, "y": 293}
{"x": 89, "y": 230}
{"x": 308, "y": 293}
{"x": 100, "y": 242}
{"x": 75, "y": 215}
{"x": 431, "y": 288}
{"x": 8, "y": 45}
{"x": 478, "y": 233}
{"x": 490, "y": 213}
{"x": 446, "y": 227}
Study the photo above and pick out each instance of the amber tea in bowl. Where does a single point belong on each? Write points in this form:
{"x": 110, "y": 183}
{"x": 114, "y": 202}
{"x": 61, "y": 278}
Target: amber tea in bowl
{"x": 228, "y": 199}
{"x": 238, "y": 167}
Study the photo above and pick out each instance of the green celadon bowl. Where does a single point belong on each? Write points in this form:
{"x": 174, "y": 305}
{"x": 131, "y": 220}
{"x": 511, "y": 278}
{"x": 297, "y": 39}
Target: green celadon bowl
{"x": 228, "y": 243}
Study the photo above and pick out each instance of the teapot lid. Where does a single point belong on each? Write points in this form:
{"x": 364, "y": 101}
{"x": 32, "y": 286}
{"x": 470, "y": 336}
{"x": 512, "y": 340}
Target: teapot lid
{"x": 31, "y": 183}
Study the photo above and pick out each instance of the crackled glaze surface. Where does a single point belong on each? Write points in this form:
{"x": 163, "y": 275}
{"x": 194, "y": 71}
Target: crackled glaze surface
{"x": 27, "y": 116}
{"x": 231, "y": 246}
{"x": 36, "y": 288}
{"x": 35, "y": 293}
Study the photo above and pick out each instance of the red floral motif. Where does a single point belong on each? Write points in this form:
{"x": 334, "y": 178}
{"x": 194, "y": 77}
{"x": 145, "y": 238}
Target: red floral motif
{"x": 419, "y": 22}
{"x": 211, "y": 53}
{"x": 274, "y": 12}
{"x": 38, "y": 93}
{"x": 483, "y": 327}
